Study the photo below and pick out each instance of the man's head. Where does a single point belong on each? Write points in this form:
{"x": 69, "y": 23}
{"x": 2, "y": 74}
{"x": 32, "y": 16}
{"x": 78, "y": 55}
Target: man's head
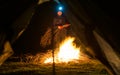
{"x": 59, "y": 13}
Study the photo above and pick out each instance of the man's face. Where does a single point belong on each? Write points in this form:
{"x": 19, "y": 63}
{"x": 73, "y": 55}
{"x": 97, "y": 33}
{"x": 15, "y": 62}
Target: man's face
{"x": 59, "y": 13}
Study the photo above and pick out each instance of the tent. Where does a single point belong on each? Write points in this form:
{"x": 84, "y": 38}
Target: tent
{"x": 94, "y": 22}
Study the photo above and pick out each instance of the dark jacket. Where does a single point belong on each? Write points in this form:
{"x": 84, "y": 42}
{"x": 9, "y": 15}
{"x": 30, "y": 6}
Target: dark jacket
{"x": 59, "y": 21}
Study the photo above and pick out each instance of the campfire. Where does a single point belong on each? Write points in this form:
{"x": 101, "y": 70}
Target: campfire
{"x": 66, "y": 52}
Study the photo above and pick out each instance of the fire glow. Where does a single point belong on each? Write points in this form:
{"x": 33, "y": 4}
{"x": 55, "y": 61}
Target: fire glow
{"x": 67, "y": 52}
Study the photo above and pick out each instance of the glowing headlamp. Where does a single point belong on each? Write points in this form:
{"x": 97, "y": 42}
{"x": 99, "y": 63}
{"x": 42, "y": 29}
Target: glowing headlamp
{"x": 60, "y": 8}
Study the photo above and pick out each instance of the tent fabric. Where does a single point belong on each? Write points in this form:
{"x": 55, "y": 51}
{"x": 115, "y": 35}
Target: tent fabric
{"x": 84, "y": 16}
{"x": 10, "y": 11}
{"x": 92, "y": 17}
{"x": 10, "y": 25}
{"x": 42, "y": 19}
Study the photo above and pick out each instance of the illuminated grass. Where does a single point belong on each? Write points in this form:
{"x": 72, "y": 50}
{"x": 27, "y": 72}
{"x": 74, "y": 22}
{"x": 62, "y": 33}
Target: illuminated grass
{"x": 83, "y": 68}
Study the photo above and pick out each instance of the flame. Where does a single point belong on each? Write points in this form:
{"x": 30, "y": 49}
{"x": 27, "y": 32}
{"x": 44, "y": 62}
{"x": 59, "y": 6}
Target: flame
{"x": 67, "y": 52}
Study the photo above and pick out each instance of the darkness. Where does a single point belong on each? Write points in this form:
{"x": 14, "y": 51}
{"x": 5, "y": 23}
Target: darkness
{"x": 111, "y": 11}
{"x": 11, "y": 9}
{"x": 110, "y": 20}
{"x": 29, "y": 41}
{"x": 102, "y": 14}
{"x": 106, "y": 15}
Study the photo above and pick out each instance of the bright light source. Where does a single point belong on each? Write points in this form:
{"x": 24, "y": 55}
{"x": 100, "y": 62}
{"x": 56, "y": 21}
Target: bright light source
{"x": 67, "y": 52}
{"x": 60, "y": 8}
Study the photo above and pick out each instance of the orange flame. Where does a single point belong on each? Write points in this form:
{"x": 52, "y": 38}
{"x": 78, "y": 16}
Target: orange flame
{"x": 67, "y": 52}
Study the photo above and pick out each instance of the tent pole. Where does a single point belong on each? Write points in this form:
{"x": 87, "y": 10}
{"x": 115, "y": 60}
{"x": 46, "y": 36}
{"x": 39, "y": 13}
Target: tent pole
{"x": 52, "y": 42}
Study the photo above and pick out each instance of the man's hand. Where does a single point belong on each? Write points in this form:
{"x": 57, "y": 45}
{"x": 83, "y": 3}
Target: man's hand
{"x": 60, "y": 27}
{"x": 63, "y": 26}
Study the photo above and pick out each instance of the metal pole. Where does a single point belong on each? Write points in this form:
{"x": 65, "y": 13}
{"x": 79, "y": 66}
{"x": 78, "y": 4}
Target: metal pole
{"x": 52, "y": 41}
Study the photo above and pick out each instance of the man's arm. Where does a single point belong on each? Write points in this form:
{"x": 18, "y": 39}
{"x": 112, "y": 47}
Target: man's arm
{"x": 63, "y": 26}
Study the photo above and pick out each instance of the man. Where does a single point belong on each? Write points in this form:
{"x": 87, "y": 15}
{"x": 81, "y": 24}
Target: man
{"x": 60, "y": 27}
{"x": 60, "y": 21}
